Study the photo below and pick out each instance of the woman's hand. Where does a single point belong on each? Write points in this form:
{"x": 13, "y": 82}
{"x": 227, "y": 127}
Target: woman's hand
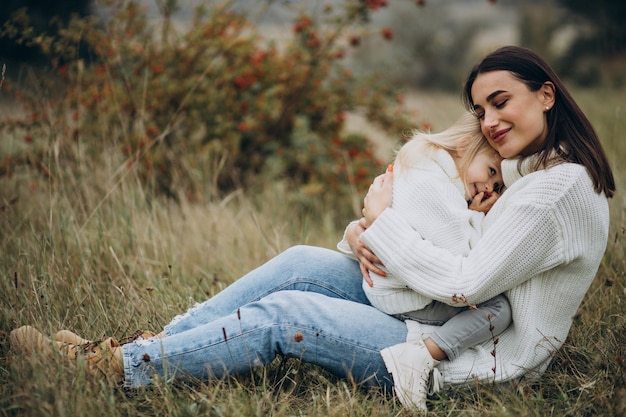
{"x": 378, "y": 198}
{"x": 367, "y": 260}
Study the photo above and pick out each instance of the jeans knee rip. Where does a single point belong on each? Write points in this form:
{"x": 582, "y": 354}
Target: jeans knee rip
{"x": 188, "y": 313}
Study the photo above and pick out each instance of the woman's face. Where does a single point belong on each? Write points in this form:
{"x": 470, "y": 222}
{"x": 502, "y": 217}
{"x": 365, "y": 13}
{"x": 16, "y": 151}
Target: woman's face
{"x": 511, "y": 116}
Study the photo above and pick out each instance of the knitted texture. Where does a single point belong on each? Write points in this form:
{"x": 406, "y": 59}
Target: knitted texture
{"x": 542, "y": 244}
{"x": 430, "y": 198}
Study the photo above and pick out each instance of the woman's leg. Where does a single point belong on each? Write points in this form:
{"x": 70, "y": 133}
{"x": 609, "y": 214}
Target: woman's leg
{"x": 344, "y": 337}
{"x": 472, "y": 326}
{"x": 303, "y": 268}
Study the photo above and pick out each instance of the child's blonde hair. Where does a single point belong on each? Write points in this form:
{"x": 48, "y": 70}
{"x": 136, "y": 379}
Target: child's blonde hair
{"x": 463, "y": 139}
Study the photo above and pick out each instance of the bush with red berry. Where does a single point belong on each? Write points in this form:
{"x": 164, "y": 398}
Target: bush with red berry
{"x": 214, "y": 104}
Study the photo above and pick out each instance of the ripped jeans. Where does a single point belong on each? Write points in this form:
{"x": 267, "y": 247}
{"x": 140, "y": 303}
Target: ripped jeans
{"x": 306, "y": 303}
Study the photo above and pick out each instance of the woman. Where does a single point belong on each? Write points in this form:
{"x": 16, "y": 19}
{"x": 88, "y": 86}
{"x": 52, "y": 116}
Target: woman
{"x": 543, "y": 241}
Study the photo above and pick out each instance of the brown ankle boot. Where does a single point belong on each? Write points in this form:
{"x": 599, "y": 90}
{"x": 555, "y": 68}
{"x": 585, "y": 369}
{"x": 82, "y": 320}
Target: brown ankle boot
{"x": 28, "y": 340}
{"x": 99, "y": 357}
{"x": 66, "y": 336}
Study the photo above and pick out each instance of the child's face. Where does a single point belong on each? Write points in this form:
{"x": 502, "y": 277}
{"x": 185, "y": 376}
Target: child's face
{"x": 483, "y": 175}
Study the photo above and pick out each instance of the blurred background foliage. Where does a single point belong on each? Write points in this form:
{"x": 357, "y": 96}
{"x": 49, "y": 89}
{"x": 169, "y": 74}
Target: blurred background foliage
{"x": 200, "y": 98}
{"x": 196, "y": 110}
{"x": 40, "y": 13}
{"x": 433, "y": 43}
{"x": 436, "y": 44}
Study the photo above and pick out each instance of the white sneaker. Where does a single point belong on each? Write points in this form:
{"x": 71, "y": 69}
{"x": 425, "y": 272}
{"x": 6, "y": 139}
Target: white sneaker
{"x": 410, "y": 365}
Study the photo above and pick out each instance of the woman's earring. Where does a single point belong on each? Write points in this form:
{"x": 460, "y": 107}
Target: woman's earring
{"x": 547, "y": 108}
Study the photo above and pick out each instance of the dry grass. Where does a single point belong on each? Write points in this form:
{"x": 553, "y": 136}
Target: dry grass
{"x": 96, "y": 255}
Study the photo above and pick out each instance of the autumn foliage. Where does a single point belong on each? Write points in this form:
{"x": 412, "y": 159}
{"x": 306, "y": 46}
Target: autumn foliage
{"x": 215, "y": 103}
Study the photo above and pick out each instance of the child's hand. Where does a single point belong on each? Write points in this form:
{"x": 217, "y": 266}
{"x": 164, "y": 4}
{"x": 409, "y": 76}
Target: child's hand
{"x": 483, "y": 201}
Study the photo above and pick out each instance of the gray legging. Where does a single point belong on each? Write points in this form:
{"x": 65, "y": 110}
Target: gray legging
{"x": 463, "y": 327}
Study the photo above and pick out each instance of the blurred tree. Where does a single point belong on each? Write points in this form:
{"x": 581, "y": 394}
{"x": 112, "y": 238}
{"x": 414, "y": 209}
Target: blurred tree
{"x": 598, "y": 55}
{"x": 40, "y": 12}
{"x": 607, "y": 18}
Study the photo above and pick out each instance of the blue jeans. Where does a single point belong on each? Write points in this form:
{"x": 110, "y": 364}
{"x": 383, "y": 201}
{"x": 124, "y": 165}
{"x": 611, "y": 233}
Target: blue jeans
{"x": 305, "y": 303}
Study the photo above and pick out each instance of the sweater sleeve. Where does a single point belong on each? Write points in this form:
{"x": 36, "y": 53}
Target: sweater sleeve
{"x": 343, "y": 246}
{"x": 524, "y": 240}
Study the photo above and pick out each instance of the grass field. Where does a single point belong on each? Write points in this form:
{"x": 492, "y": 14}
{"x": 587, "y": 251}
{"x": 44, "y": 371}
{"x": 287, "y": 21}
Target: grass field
{"x": 98, "y": 256}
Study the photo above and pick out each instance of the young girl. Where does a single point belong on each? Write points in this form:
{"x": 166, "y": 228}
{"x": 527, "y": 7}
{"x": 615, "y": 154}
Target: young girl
{"x": 437, "y": 176}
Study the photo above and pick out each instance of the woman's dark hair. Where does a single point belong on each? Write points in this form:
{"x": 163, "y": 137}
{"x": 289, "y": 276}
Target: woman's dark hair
{"x": 570, "y": 133}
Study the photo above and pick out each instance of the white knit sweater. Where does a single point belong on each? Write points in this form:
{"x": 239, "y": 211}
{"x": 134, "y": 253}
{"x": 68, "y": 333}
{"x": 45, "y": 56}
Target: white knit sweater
{"x": 430, "y": 197}
{"x": 542, "y": 244}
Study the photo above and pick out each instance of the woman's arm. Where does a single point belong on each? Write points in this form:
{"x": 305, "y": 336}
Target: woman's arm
{"x": 429, "y": 201}
{"x": 380, "y": 195}
{"x": 524, "y": 240}
{"x": 367, "y": 260}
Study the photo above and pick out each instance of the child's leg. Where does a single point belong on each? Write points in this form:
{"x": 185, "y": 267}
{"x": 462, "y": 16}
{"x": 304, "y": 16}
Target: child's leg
{"x": 434, "y": 314}
{"x": 472, "y": 326}
{"x": 410, "y": 363}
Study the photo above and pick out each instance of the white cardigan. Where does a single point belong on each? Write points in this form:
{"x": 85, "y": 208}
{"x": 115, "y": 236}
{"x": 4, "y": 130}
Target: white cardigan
{"x": 430, "y": 197}
{"x": 542, "y": 244}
